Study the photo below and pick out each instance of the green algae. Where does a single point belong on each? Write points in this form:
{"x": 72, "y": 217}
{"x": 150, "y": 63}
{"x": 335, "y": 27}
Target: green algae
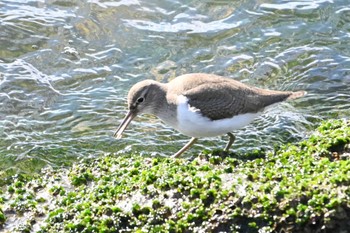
{"x": 303, "y": 187}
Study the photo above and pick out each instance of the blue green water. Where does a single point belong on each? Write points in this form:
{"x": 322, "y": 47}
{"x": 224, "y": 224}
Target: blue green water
{"x": 66, "y": 67}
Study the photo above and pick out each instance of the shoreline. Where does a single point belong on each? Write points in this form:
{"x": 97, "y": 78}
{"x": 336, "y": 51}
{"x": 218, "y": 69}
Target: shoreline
{"x": 300, "y": 187}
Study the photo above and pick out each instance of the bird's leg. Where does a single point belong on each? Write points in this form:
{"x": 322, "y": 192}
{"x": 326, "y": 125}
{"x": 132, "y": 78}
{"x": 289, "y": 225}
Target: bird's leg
{"x": 183, "y": 149}
{"x": 230, "y": 142}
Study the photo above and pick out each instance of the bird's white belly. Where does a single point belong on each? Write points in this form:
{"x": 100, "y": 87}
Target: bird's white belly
{"x": 191, "y": 123}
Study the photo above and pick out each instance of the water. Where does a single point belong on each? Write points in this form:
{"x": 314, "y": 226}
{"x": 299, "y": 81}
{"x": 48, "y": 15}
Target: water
{"x": 66, "y": 67}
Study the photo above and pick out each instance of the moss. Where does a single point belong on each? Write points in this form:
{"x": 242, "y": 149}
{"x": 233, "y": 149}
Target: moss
{"x": 2, "y": 217}
{"x": 302, "y": 187}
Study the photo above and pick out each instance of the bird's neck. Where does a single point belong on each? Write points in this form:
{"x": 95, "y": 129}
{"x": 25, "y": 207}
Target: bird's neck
{"x": 165, "y": 109}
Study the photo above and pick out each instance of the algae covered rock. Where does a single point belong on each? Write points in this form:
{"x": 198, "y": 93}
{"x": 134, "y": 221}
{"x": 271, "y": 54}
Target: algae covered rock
{"x": 303, "y": 187}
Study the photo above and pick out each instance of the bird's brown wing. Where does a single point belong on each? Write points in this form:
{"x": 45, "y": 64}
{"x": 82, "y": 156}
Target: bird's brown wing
{"x": 225, "y": 100}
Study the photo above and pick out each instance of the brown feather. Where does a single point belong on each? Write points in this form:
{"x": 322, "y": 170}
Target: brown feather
{"x": 217, "y": 97}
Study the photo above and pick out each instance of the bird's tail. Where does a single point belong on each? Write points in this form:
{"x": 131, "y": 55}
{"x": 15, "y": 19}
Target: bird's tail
{"x": 297, "y": 94}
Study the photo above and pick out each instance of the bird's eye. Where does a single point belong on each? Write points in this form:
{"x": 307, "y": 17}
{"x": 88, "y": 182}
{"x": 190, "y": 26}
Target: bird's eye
{"x": 140, "y": 100}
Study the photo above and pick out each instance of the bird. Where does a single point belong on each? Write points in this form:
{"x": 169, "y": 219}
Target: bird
{"x": 201, "y": 105}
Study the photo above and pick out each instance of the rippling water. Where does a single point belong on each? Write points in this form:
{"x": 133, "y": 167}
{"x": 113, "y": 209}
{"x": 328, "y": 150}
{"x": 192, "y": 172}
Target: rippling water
{"x": 66, "y": 67}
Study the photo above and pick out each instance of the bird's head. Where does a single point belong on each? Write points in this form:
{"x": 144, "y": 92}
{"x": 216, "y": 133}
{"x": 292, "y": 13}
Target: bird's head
{"x": 143, "y": 97}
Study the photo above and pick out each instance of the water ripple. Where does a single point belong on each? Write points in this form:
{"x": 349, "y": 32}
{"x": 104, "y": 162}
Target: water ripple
{"x": 66, "y": 67}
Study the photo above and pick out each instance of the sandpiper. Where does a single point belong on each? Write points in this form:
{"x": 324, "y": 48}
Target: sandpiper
{"x": 201, "y": 105}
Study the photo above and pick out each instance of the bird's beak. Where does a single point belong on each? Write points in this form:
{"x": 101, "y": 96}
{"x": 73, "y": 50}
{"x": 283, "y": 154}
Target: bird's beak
{"x": 127, "y": 119}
